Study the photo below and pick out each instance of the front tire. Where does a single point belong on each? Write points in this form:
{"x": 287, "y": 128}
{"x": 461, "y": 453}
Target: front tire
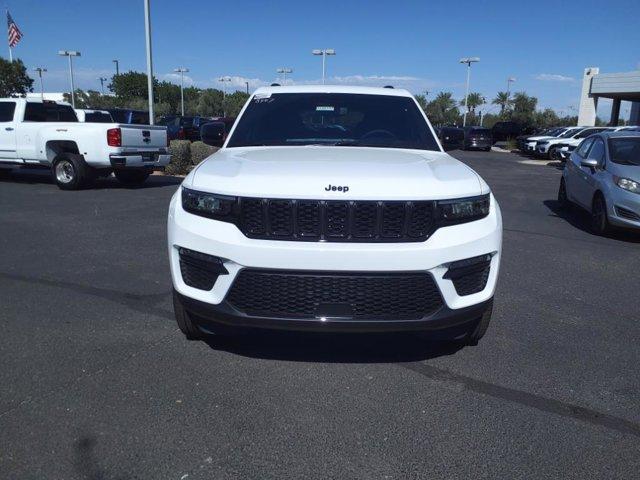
{"x": 71, "y": 172}
{"x": 554, "y": 153}
{"x": 183, "y": 318}
{"x": 132, "y": 178}
{"x": 599, "y": 219}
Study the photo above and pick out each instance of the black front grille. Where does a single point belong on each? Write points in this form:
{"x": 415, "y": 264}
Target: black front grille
{"x": 365, "y": 296}
{"x": 337, "y": 221}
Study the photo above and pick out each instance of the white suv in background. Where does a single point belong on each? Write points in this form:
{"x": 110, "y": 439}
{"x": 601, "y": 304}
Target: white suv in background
{"x": 550, "y": 148}
{"x": 333, "y": 208}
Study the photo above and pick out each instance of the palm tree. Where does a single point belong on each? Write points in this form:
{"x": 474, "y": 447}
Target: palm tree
{"x": 474, "y": 100}
{"x": 442, "y": 109}
{"x": 502, "y": 99}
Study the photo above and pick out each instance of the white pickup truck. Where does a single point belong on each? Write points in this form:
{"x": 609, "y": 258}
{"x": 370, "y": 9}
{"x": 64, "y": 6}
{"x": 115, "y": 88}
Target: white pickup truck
{"x": 37, "y": 133}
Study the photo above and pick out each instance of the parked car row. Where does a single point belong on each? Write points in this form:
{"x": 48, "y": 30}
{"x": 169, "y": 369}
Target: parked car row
{"x": 188, "y": 127}
{"x": 467, "y": 138}
{"x": 558, "y": 143}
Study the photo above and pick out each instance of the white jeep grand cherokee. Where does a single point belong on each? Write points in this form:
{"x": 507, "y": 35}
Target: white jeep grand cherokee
{"x": 333, "y": 208}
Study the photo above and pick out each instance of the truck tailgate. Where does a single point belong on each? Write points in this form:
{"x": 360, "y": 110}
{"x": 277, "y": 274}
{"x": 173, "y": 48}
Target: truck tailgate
{"x": 143, "y": 136}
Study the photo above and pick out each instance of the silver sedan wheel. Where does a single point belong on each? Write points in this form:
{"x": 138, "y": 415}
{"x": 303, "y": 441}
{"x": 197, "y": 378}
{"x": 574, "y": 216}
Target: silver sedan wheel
{"x": 65, "y": 172}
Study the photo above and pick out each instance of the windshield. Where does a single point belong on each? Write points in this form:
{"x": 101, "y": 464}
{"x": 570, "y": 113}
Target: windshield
{"x": 570, "y": 133}
{"x": 625, "y": 150}
{"x": 343, "y": 119}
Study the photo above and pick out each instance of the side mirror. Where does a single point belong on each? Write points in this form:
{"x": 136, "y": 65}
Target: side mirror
{"x": 213, "y": 133}
{"x": 589, "y": 163}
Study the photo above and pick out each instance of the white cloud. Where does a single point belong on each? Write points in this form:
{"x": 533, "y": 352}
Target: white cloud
{"x": 175, "y": 78}
{"x": 413, "y": 84}
{"x": 554, "y": 77}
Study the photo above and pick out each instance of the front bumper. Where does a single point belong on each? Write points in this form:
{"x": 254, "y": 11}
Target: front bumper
{"x": 623, "y": 208}
{"x": 139, "y": 159}
{"x": 224, "y": 240}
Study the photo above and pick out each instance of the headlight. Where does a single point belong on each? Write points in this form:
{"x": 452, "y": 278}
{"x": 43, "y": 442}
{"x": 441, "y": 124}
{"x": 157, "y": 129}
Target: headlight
{"x": 628, "y": 184}
{"x": 463, "y": 210}
{"x": 207, "y": 204}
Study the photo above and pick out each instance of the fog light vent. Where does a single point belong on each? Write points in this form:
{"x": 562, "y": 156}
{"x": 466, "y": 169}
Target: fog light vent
{"x": 469, "y": 275}
{"x": 200, "y": 270}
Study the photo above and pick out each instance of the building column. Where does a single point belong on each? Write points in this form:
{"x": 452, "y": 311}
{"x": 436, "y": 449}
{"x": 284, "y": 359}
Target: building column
{"x": 615, "y": 112}
{"x": 634, "y": 116}
{"x": 588, "y": 104}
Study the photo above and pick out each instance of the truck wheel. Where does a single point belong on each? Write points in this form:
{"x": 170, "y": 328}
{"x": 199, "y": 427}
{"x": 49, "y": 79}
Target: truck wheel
{"x": 132, "y": 178}
{"x": 183, "y": 318}
{"x": 71, "y": 172}
{"x": 478, "y": 331}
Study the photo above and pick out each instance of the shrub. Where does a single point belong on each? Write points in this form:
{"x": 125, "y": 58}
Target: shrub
{"x": 180, "y": 157}
{"x": 200, "y": 151}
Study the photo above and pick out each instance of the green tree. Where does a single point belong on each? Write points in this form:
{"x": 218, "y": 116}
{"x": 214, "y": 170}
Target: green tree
{"x": 546, "y": 118}
{"x": 130, "y": 85}
{"x": 422, "y": 101}
{"x": 524, "y": 108}
{"x": 503, "y": 99}
{"x": 14, "y": 78}
{"x": 235, "y": 102}
{"x": 474, "y": 100}
{"x": 210, "y": 103}
{"x": 443, "y": 110}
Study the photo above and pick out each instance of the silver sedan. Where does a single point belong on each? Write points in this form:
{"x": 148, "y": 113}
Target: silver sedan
{"x": 602, "y": 176}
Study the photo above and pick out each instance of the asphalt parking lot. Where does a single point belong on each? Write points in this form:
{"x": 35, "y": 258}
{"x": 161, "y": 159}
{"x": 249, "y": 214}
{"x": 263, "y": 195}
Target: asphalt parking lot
{"x": 98, "y": 383}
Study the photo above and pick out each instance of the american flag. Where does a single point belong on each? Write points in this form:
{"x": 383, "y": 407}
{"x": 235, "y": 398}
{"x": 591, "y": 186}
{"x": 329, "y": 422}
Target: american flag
{"x": 14, "y": 32}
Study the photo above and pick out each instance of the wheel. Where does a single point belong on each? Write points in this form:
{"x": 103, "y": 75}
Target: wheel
{"x": 183, "y": 318}
{"x": 554, "y": 153}
{"x": 563, "y": 200}
{"x": 133, "y": 177}
{"x": 599, "y": 218}
{"x": 488, "y": 149}
{"x": 5, "y": 172}
{"x": 478, "y": 331}
{"x": 71, "y": 172}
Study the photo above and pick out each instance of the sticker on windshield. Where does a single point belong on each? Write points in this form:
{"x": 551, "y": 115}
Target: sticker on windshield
{"x": 324, "y": 108}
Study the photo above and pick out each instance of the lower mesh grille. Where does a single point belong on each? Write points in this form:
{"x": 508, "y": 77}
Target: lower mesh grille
{"x": 471, "y": 279}
{"x": 199, "y": 270}
{"x": 366, "y": 296}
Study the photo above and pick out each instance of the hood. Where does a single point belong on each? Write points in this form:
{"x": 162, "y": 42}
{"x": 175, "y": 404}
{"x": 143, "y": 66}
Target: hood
{"x": 543, "y": 137}
{"x": 357, "y": 173}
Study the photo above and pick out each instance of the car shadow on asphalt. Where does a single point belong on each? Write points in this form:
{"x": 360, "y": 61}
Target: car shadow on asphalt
{"x": 335, "y": 348}
{"x": 43, "y": 176}
{"x": 579, "y": 218}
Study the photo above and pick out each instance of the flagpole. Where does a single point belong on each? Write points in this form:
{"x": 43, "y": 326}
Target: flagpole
{"x": 10, "y": 49}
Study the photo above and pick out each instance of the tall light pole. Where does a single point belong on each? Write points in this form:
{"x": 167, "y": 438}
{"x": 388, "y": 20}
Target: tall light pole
{"x": 284, "y": 71}
{"x": 510, "y": 80}
{"x": 40, "y": 71}
{"x": 247, "y": 84}
{"x": 224, "y": 80}
{"x": 181, "y": 71}
{"x": 102, "y": 80}
{"x": 70, "y": 54}
{"x": 324, "y": 52}
{"x": 117, "y": 66}
{"x": 468, "y": 61}
{"x": 147, "y": 34}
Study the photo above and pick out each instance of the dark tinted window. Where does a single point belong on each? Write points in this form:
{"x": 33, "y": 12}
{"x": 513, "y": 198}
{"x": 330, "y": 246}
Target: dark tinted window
{"x": 625, "y": 150}
{"x": 6, "y": 111}
{"x": 186, "y": 122}
{"x": 140, "y": 118}
{"x": 49, "y": 112}
{"x": 97, "y": 117}
{"x": 119, "y": 116}
{"x": 333, "y": 119}
{"x": 597, "y": 150}
{"x": 168, "y": 121}
{"x": 584, "y": 147}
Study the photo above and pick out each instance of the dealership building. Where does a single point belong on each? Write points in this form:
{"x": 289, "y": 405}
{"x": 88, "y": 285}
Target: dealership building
{"x": 618, "y": 87}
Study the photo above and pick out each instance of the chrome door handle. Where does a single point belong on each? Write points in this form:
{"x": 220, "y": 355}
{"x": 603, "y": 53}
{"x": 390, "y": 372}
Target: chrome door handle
{"x": 8, "y": 129}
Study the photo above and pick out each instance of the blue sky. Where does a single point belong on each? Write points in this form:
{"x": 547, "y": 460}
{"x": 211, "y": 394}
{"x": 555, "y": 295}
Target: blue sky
{"x": 545, "y": 45}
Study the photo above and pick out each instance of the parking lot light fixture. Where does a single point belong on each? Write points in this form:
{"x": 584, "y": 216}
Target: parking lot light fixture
{"x": 70, "y": 54}
{"x": 147, "y": 35}
{"x": 224, "y": 81}
{"x": 117, "y": 66}
{"x": 102, "y": 80}
{"x": 468, "y": 61}
{"x": 181, "y": 71}
{"x": 324, "y": 52}
{"x": 284, "y": 71}
{"x": 40, "y": 71}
